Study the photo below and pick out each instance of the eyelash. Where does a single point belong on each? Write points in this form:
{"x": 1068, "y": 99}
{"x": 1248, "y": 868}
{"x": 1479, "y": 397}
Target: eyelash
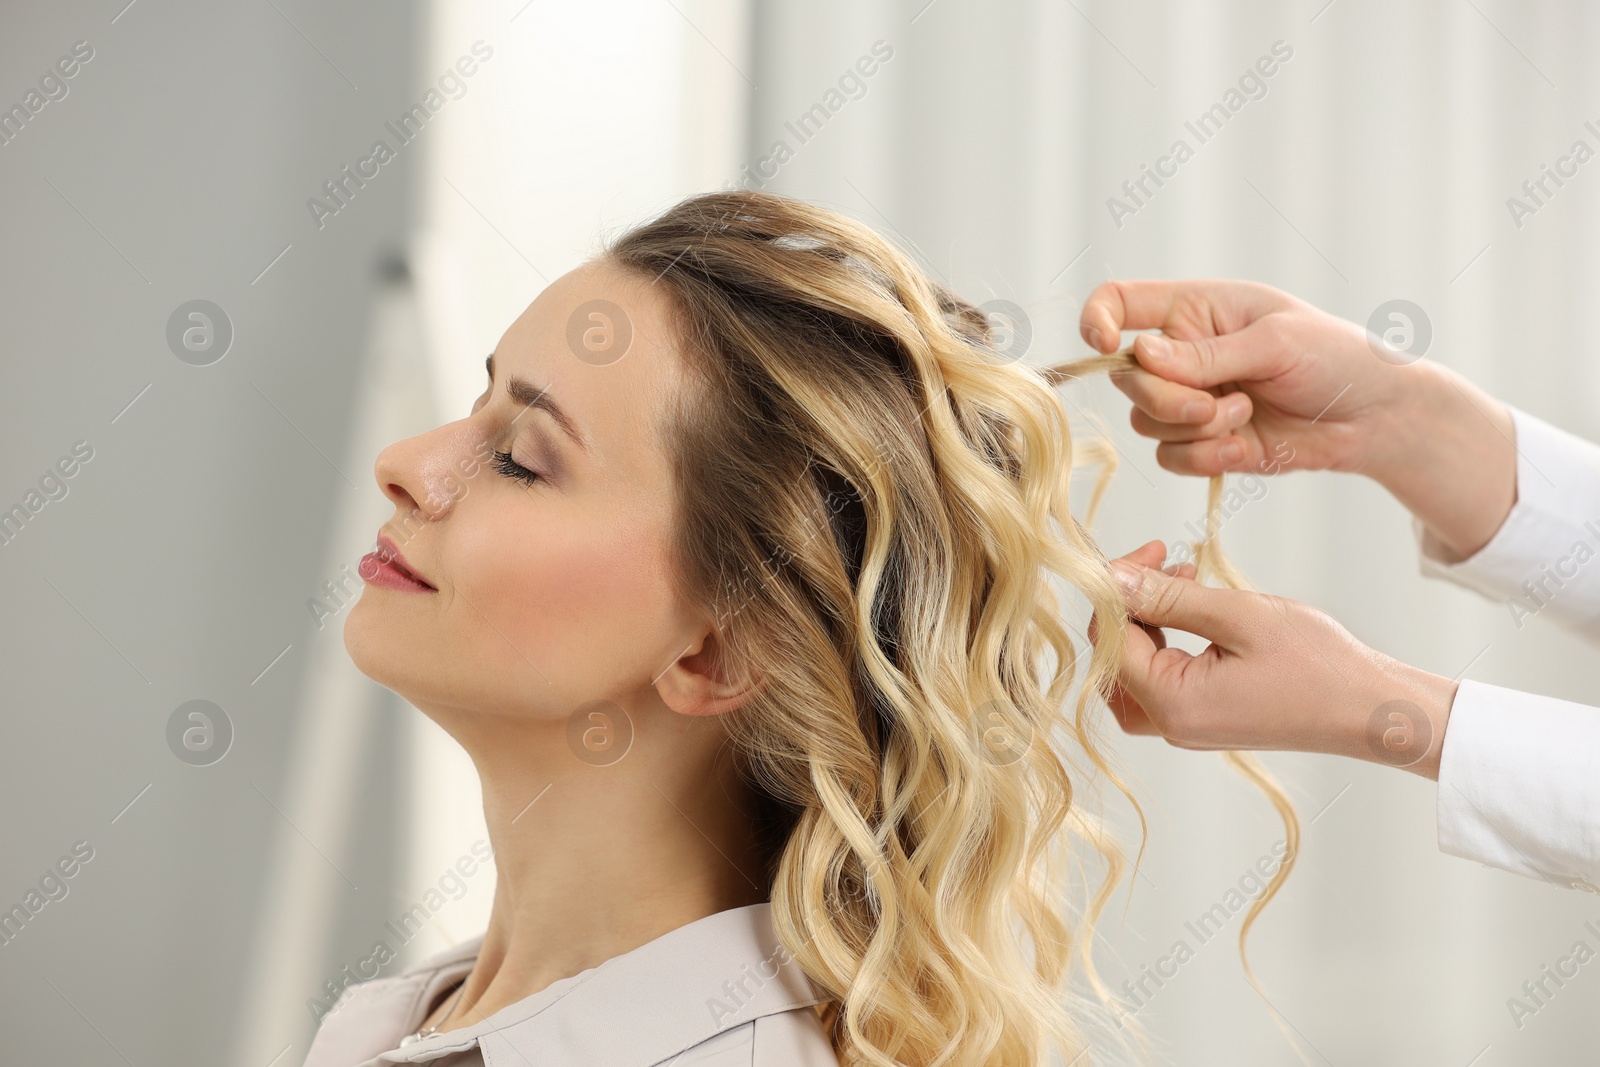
{"x": 512, "y": 469}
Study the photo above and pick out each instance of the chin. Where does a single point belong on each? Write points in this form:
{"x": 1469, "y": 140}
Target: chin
{"x": 370, "y": 649}
{"x": 395, "y": 656}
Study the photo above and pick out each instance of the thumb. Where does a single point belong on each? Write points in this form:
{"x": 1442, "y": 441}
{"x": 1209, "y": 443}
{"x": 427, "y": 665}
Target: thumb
{"x": 1252, "y": 354}
{"x": 1155, "y": 598}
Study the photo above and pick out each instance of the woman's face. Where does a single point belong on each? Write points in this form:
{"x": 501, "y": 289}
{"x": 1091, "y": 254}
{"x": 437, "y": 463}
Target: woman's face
{"x": 551, "y": 592}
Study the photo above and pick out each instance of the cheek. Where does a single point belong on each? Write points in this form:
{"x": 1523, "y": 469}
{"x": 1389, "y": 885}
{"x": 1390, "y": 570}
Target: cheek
{"x": 586, "y": 601}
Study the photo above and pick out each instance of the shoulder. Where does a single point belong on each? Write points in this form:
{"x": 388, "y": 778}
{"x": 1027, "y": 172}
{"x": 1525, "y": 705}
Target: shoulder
{"x": 793, "y": 1038}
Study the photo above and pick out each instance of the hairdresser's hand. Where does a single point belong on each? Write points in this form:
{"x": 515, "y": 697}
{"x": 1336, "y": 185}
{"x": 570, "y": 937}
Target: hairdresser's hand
{"x": 1277, "y": 675}
{"x": 1243, "y": 377}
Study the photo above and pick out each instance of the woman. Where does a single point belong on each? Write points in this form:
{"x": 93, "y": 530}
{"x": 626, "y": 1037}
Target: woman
{"x": 736, "y": 586}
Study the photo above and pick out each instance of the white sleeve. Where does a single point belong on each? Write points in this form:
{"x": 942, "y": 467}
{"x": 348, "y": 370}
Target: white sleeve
{"x": 1519, "y": 785}
{"x": 1519, "y": 774}
{"x": 1545, "y": 558}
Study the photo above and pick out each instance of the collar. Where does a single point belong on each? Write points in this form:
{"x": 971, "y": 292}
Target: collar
{"x": 640, "y": 1008}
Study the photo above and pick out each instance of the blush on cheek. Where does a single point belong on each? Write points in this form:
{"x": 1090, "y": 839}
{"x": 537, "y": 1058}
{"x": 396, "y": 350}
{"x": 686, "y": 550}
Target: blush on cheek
{"x": 617, "y": 588}
{"x": 592, "y": 608}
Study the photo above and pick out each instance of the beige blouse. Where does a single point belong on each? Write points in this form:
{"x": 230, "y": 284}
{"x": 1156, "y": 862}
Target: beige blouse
{"x": 719, "y": 992}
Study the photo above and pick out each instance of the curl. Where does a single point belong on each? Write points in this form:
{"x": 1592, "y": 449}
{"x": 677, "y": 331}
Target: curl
{"x": 1211, "y": 565}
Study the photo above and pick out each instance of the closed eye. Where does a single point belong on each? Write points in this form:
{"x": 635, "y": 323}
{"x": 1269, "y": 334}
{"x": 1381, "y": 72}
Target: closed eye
{"x": 510, "y": 468}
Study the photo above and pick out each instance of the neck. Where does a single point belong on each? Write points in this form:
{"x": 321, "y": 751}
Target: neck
{"x": 593, "y": 861}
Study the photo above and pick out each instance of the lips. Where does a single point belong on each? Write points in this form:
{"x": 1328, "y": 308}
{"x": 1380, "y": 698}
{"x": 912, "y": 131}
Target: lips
{"x": 388, "y": 567}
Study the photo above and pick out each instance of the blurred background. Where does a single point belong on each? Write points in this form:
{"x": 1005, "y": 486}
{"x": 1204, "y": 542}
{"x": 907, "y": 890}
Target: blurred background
{"x": 222, "y": 294}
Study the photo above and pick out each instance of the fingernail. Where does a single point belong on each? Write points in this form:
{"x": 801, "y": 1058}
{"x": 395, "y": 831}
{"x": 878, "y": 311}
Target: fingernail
{"x": 1194, "y": 411}
{"x": 1238, "y": 409}
{"x": 1092, "y": 335}
{"x": 1158, "y": 349}
{"x": 1126, "y": 576}
{"x": 1232, "y": 452}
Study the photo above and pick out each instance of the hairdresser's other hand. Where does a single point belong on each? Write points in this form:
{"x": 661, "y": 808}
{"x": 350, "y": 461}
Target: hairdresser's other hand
{"x": 1245, "y": 377}
{"x": 1277, "y": 675}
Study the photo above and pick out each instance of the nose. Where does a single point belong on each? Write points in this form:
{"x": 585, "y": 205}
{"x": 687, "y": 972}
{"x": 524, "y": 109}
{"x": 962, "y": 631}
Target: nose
{"x": 425, "y": 474}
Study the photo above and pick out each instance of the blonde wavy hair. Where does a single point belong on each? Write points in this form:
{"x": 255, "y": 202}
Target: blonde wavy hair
{"x": 872, "y": 500}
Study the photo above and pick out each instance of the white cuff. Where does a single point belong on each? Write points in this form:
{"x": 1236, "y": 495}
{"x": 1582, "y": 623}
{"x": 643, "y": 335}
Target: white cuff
{"x": 1519, "y": 785}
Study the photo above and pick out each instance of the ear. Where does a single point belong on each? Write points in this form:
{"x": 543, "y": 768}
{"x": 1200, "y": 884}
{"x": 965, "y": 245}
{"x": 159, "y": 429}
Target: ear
{"x": 701, "y": 682}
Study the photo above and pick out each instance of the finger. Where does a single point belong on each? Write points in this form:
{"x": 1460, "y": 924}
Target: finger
{"x": 1191, "y": 306}
{"x": 1216, "y": 455}
{"x": 1222, "y": 616}
{"x": 1149, "y": 554}
{"x": 1164, "y": 400}
{"x": 1152, "y": 554}
{"x": 1255, "y": 353}
{"x": 1138, "y": 667}
{"x": 1185, "y": 570}
{"x": 1130, "y": 715}
{"x": 1157, "y": 635}
{"x": 1100, "y": 321}
{"x": 1232, "y": 412}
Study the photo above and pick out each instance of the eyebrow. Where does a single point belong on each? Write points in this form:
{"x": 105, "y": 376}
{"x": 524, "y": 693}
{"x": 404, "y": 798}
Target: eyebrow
{"x": 532, "y": 396}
